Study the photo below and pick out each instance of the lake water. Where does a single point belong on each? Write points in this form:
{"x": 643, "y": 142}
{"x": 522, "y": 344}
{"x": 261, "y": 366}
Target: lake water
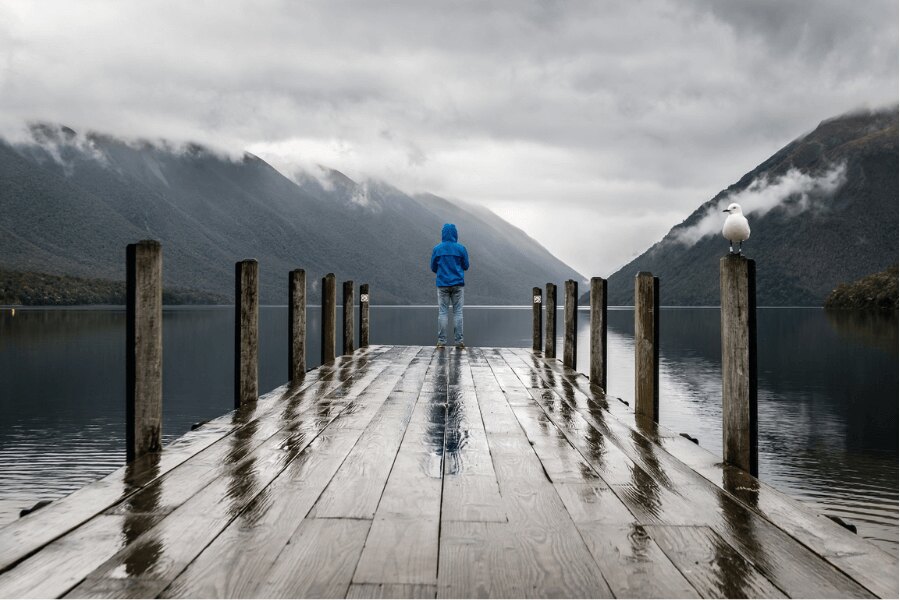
{"x": 828, "y": 409}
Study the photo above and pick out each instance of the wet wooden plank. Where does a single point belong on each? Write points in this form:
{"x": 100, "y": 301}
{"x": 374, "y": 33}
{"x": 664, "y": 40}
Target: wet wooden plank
{"x": 357, "y": 487}
{"x": 598, "y": 450}
{"x": 561, "y": 461}
{"x": 539, "y": 547}
{"x": 867, "y": 564}
{"x": 713, "y": 567}
{"x": 63, "y": 563}
{"x": 103, "y": 539}
{"x": 414, "y": 486}
{"x": 400, "y": 550}
{"x": 164, "y": 551}
{"x": 470, "y": 491}
{"x": 26, "y": 535}
{"x": 490, "y": 489}
{"x": 666, "y": 491}
{"x": 235, "y": 564}
{"x": 472, "y": 498}
{"x": 593, "y": 503}
{"x": 118, "y": 588}
{"x": 633, "y": 564}
{"x": 318, "y": 561}
{"x": 502, "y": 560}
{"x": 402, "y": 545}
{"x": 391, "y": 590}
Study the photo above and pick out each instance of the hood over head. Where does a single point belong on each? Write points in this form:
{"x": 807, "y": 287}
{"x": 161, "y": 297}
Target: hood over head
{"x": 448, "y": 233}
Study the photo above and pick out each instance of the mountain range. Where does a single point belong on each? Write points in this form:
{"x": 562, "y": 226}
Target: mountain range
{"x": 70, "y": 203}
{"x": 823, "y": 211}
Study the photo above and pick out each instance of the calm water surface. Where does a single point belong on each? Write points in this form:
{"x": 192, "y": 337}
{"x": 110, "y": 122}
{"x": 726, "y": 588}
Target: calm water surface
{"x": 828, "y": 385}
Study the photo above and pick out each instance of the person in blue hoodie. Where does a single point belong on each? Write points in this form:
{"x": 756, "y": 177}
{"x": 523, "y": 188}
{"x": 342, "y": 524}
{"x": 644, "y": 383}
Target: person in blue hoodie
{"x": 450, "y": 261}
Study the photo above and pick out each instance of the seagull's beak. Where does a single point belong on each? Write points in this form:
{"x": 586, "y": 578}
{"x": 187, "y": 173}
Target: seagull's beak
{"x": 726, "y": 210}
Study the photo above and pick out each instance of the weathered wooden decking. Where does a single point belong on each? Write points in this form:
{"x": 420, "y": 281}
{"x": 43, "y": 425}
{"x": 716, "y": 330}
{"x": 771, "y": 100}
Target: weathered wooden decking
{"x": 410, "y": 471}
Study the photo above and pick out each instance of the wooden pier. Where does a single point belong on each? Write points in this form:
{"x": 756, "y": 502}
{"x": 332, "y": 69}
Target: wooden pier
{"x": 421, "y": 472}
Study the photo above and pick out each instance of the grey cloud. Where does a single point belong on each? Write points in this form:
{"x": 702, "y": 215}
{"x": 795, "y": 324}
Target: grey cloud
{"x": 612, "y": 111}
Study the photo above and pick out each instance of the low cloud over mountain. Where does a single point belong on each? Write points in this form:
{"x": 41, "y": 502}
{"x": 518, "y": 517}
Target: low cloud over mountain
{"x": 71, "y": 202}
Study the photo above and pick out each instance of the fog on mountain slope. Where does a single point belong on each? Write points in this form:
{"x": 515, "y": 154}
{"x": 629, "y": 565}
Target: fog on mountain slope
{"x": 71, "y": 203}
{"x": 841, "y": 178}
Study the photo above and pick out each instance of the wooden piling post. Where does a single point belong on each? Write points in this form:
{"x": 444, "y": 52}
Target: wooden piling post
{"x": 364, "y": 315}
{"x": 246, "y": 332}
{"x": 537, "y": 296}
{"x": 646, "y": 345}
{"x": 348, "y": 317}
{"x": 329, "y": 293}
{"x": 143, "y": 356}
{"x": 570, "y": 342}
{"x": 737, "y": 280}
{"x": 598, "y": 332}
{"x": 550, "y": 322}
{"x": 297, "y": 325}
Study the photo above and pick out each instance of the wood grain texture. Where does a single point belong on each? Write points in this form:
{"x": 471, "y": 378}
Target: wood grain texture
{"x": 713, "y": 567}
{"x": 632, "y": 563}
{"x": 205, "y": 445}
{"x": 246, "y": 332}
{"x": 737, "y": 277}
{"x": 52, "y": 572}
{"x": 237, "y": 562}
{"x": 663, "y": 490}
{"x": 502, "y": 560}
{"x": 550, "y": 322}
{"x": 598, "y": 299}
{"x": 484, "y": 472}
{"x": 297, "y": 325}
{"x": 168, "y": 548}
{"x": 400, "y": 550}
{"x": 329, "y": 318}
{"x": 143, "y": 349}
{"x": 391, "y": 590}
{"x": 318, "y": 561}
{"x": 646, "y": 345}
{"x": 347, "y": 305}
{"x": 570, "y": 339}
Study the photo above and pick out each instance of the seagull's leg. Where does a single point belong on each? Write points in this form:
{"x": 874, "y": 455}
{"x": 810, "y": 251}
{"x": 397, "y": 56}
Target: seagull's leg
{"x": 730, "y": 248}
{"x": 741, "y": 247}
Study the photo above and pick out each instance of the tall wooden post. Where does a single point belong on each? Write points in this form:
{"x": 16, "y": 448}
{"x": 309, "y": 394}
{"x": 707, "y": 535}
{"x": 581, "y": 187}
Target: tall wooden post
{"x": 550, "y": 322}
{"x": 570, "y": 342}
{"x": 246, "y": 332}
{"x": 537, "y": 296}
{"x": 364, "y": 315}
{"x": 348, "y": 317}
{"x": 329, "y": 300}
{"x": 297, "y": 325}
{"x": 598, "y": 332}
{"x": 143, "y": 343}
{"x": 646, "y": 345}
{"x": 737, "y": 280}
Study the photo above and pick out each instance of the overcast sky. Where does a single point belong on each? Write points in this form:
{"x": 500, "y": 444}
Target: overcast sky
{"x": 594, "y": 126}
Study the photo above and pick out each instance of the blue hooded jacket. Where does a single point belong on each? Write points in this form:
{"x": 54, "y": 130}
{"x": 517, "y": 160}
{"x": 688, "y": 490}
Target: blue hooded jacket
{"x": 449, "y": 259}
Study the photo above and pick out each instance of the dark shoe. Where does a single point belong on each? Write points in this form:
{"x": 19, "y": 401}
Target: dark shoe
{"x": 461, "y": 345}
{"x": 440, "y": 345}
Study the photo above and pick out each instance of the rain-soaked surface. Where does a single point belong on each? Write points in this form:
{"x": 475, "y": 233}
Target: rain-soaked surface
{"x": 410, "y": 471}
{"x": 827, "y": 391}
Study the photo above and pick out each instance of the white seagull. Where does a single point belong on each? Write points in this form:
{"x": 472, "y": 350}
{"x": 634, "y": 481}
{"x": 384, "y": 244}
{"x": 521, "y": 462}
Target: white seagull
{"x": 736, "y": 228}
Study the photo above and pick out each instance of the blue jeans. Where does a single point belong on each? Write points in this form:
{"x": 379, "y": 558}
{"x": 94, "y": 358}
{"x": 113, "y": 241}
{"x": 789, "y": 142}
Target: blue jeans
{"x": 446, "y": 296}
